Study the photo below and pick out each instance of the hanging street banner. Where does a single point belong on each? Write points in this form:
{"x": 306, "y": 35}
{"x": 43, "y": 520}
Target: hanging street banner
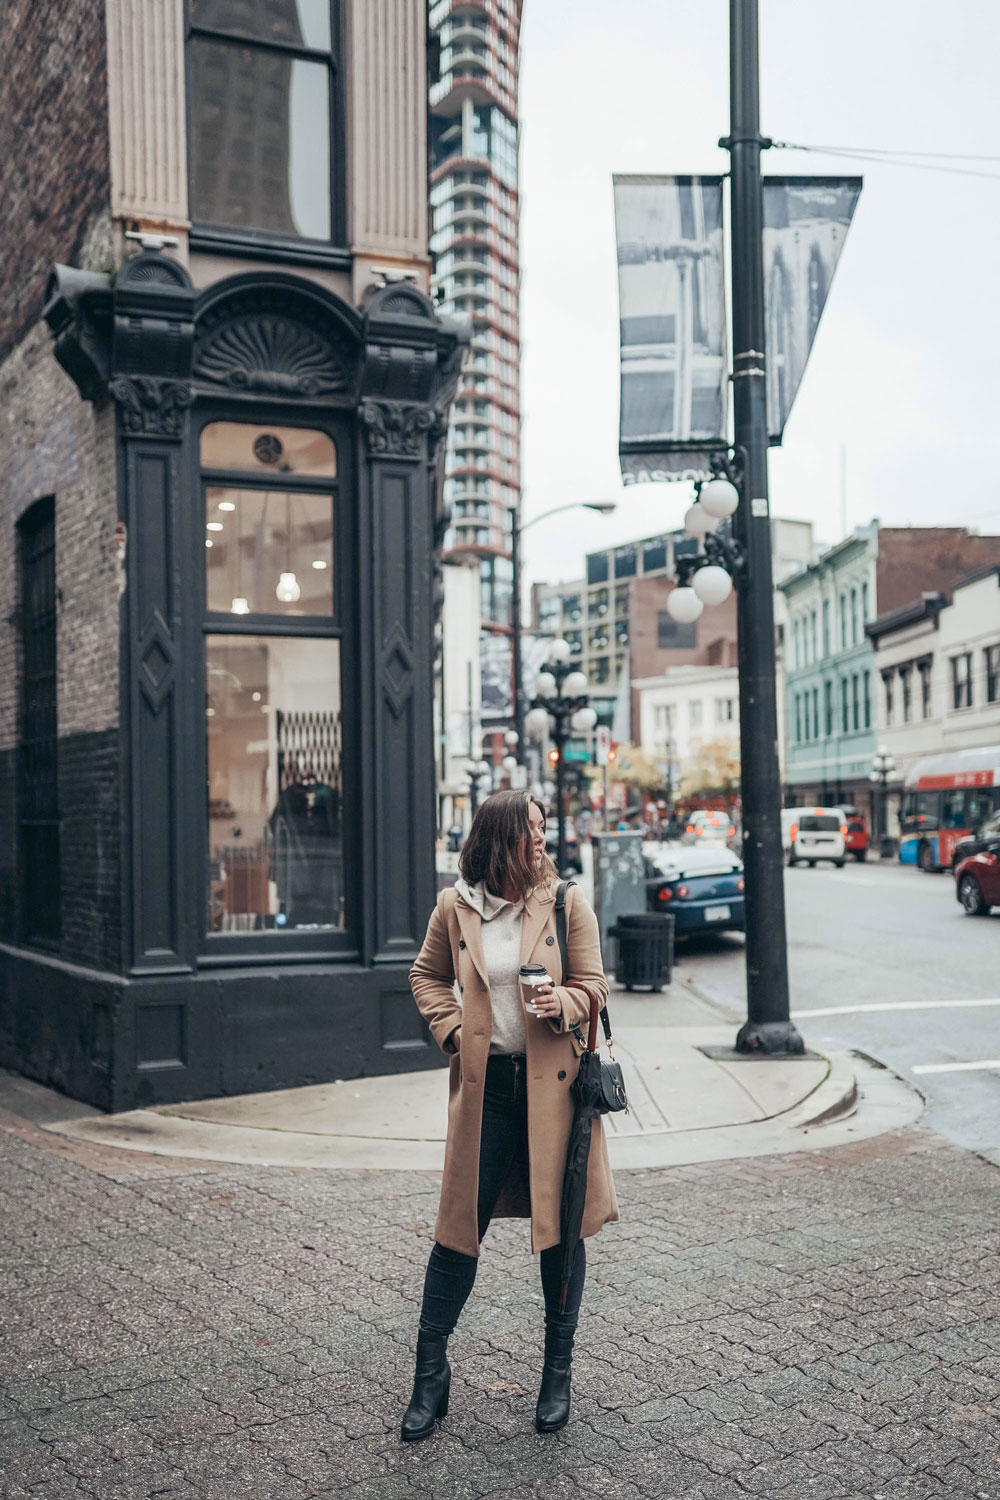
{"x": 806, "y": 220}
{"x": 672, "y": 304}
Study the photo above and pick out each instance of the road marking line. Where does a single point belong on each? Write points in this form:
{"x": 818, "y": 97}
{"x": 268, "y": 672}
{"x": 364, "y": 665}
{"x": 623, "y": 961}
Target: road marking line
{"x": 853, "y": 1010}
{"x": 972, "y": 1067}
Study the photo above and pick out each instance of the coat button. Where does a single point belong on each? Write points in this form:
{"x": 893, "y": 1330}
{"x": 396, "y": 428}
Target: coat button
{"x": 562, "y": 1073}
{"x": 461, "y": 942}
{"x": 549, "y": 941}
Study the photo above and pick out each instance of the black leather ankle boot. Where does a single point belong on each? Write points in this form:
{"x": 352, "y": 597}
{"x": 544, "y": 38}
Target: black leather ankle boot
{"x": 552, "y": 1411}
{"x": 431, "y": 1384}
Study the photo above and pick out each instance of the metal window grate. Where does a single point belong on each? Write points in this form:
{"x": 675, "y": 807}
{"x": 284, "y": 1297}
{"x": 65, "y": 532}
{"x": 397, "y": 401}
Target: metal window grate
{"x": 38, "y": 789}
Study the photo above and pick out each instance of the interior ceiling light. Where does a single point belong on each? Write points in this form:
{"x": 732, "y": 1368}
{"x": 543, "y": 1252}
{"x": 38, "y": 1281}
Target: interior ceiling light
{"x": 214, "y": 526}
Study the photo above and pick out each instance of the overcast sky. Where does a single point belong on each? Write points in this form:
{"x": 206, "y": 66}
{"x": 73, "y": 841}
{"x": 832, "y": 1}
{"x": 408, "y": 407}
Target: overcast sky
{"x": 904, "y": 367}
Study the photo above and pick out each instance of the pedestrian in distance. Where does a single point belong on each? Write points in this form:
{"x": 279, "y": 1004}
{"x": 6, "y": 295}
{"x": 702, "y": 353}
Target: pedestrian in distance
{"x": 513, "y": 1056}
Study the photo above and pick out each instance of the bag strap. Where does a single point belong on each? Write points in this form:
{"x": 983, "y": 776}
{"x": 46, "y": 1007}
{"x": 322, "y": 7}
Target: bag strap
{"x": 561, "y": 890}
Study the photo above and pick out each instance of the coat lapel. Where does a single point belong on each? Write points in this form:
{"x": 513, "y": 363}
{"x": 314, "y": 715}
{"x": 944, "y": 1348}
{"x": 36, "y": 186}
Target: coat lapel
{"x": 470, "y": 925}
{"x": 536, "y": 914}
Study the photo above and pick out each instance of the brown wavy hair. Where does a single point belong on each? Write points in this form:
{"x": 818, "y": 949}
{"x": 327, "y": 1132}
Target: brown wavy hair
{"x": 498, "y": 848}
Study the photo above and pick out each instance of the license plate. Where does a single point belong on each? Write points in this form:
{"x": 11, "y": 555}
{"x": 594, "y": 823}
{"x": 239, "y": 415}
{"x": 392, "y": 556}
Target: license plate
{"x": 717, "y": 913}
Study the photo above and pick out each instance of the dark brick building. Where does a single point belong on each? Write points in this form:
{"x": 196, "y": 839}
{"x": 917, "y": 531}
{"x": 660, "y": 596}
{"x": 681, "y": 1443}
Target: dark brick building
{"x": 219, "y": 437}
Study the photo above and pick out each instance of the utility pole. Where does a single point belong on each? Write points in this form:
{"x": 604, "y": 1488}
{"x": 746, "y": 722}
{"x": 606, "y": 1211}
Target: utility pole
{"x": 768, "y": 1027}
{"x": 515, "y": 624}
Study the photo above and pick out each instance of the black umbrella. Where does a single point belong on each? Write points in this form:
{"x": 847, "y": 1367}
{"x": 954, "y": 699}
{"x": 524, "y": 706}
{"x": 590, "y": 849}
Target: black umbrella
{"x": 588, "y": 1102}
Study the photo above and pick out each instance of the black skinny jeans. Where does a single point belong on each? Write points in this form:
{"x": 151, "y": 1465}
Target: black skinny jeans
{"x": 450, "y": 1274}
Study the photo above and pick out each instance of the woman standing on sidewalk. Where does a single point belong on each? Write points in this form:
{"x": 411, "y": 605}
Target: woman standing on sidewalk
{"x": 509, "y": 1105}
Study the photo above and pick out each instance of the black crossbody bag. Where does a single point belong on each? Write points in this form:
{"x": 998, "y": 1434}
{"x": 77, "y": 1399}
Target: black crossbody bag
{"x": 613, "y": 1095}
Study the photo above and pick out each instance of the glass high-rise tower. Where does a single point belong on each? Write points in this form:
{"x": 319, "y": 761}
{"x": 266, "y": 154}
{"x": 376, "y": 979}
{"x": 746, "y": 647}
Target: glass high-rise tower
{"x": 474, "y": 248}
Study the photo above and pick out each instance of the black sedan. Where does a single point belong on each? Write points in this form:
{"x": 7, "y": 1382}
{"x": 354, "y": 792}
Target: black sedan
{"x": 975, "y": 843}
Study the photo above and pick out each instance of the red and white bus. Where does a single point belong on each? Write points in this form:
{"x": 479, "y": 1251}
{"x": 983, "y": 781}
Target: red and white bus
{"x": 945, "y": 798}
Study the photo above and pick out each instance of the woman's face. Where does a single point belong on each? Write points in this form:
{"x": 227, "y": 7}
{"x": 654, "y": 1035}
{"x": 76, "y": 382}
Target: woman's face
{"x": 536, "y": 823}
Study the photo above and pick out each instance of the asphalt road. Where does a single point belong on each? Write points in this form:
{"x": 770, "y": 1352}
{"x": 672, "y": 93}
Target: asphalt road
{"x": 884, "y": 960}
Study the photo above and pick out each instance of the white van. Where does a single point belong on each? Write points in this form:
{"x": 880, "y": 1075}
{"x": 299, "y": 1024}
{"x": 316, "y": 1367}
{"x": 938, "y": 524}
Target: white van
{"x": 789, "y": 822}
{"x": 819, "y": 833}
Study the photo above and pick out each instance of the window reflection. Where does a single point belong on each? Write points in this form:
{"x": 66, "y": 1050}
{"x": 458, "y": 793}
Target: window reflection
{"x": 268, "y": 551}
{"x": 260, "y": 139}
{"x": 275, "y": 804}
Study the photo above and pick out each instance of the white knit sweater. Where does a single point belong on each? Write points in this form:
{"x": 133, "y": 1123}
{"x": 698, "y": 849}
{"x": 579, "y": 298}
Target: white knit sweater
{"x": 502, "y": 952}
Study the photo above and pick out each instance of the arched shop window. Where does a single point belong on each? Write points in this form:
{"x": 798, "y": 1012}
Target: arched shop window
{"x": 274, "y": 664}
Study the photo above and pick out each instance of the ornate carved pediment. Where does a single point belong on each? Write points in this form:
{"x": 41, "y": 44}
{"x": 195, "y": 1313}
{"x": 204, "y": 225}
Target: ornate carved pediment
{"x": 284, "y": 338}
{"x": 399, "y": 428}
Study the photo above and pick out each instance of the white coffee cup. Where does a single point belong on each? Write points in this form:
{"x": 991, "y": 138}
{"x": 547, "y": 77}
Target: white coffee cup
{"x": 530, "y": 977}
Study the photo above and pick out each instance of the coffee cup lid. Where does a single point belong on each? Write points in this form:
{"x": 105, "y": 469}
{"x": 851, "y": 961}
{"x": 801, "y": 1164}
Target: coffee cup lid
{"x": 529, "y": 969}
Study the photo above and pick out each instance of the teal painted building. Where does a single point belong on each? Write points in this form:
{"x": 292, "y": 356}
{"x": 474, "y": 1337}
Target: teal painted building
{"x": 830, "y": 700}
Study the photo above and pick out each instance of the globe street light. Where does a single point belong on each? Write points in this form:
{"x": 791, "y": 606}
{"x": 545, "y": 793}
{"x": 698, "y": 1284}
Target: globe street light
{"x": 883, "y": 766}
{"x": 604, "y": 508}
{"x": 562, "y": 702}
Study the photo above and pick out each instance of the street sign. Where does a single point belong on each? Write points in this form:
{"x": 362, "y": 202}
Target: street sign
{"x": 602, "y": 744}
{"x": 572, "y": 753}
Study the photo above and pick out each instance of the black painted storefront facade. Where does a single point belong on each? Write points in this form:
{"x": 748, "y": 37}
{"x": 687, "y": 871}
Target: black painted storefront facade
{"x": 166, "y": 1010}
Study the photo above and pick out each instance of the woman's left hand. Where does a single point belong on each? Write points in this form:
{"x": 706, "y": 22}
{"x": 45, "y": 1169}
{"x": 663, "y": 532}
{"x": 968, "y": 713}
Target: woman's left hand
{"x": 547, "y": 1003}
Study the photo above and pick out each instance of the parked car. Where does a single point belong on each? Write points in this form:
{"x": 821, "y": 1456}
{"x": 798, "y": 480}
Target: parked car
{"x": 573, "y": 859}
{"x": 708, "y": 828}
{"x": 858, "y": 839}
{"x": 821, "y": 833}
{"x": 701, "y": 886}
{"x": 974, "y": 843}
{"x": 977, "y": 880}
{"x": 789, "y": 825}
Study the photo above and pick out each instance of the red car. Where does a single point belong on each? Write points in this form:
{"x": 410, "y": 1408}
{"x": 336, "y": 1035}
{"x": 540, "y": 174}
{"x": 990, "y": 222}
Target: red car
{"x": 857, "y": 838}
{"x": 977, "y": 881}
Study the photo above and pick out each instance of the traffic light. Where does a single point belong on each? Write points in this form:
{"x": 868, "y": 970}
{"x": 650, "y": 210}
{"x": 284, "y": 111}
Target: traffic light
{"x": 612, "y": 754}
{"x": 553, "y": 757}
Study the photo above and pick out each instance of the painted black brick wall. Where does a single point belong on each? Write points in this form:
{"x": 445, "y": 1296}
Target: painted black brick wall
{"x": 90, "y": 853}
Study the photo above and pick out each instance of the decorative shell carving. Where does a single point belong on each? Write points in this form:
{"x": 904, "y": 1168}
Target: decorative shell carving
{"x": 272, "y": 354}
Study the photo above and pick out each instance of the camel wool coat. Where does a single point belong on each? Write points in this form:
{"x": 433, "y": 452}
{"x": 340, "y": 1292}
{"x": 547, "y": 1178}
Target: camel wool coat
{"x": 452, "y": 955}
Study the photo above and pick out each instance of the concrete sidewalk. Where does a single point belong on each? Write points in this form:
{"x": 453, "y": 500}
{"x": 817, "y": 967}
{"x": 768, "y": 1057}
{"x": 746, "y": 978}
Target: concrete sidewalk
{"x": 692, "y": 1099}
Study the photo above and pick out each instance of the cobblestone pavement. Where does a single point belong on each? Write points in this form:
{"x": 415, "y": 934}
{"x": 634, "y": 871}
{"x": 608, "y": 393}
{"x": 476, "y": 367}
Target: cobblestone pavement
{"x": 819, "y": 1325}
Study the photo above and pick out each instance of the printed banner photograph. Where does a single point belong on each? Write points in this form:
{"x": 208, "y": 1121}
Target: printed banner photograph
{"x": 806, "y": 220}
{"x": 672, "y": 303}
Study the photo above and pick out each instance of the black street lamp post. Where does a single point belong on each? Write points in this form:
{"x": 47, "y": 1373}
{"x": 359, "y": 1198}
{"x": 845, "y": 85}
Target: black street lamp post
{"x": 883, "y": 767}
{"x": 742, "y": 553}
{"x": 560, "y": 706}
{"x": 478, "y": 773}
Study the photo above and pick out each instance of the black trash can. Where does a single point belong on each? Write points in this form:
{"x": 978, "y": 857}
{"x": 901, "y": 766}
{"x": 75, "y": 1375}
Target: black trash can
{"x": 645, "y": 949}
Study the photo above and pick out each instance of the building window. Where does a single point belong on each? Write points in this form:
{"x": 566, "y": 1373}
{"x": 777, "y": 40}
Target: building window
{"x": 597, "y": 604}
{"x": 625, "y": 561}
{"x": 864, "y": 603}
{"x": 887, "y": 684}
{"x": 263, "y": 112}
{"x": 725, "y": 710}
{"x": 828, "y": 708}
{"x": 815, "y": 693}
{"x": 826, "y": 627}
{"x": 868, "y": 699}
{"x": 924, "y": 668}
{"x": 38, "y": 789}
{"x": 654, "y": 555}
{"x": 273, "y": 682}
{"x": 992, "y": 657}
{"x": 961, "y": 680}
{"x": 815, "y": 642}
{"x": 597, "y": 567}
{"x": 855, "y": 710}
{"x": 797, "y": 643}
{"x": 904, "y": 675}
{"x": 673, "y": 635}
{"x": 694, "y": 714}
{"x": 843, "y": 622}
{"x": 798, "y": 718}
{"x": 844, "y": 710}
{"x": 854, "y": 617}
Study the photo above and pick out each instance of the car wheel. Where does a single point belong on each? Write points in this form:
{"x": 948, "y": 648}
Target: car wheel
{"x": 839, "y": 863}
{"x": 811, "y": 863}
{"x": 792, "y": 861}
{"x": 971, "y": 897}
{"x": 925, "y": 858}
{"x": 861, "y": 855}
